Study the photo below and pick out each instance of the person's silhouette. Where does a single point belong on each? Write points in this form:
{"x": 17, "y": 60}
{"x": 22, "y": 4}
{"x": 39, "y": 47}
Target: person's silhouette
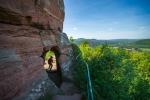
{"x": 50, "y": 62}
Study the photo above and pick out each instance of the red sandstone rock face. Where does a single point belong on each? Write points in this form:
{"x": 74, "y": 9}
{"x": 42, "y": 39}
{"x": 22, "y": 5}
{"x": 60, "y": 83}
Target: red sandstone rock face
{"x": 26, "y": 27}
{"x": 48, "y": 14}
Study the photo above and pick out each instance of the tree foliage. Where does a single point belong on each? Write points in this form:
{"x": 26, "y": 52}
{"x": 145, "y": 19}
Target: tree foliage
{"x": 71, "y": 39}
{"x": 49, "y": 54}
{"x": 117, "y": 74}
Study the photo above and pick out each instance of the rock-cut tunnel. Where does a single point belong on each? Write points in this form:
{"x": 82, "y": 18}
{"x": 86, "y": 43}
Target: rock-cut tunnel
{"x": 51, "y": 64}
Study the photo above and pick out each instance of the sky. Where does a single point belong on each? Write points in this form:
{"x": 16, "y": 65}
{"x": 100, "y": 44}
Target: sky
{"x": 107, "y": 19}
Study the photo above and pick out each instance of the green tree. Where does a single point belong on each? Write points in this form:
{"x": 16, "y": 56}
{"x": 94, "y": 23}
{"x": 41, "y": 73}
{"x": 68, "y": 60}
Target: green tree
{"x": 116, "y": 74}
{"x": 71, "y": 39}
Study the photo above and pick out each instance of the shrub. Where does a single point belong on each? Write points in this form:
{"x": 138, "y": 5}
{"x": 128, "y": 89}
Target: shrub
{"x": 116, "y": 74}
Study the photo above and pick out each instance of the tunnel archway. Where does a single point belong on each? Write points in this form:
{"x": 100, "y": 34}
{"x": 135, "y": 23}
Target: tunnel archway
{"x": 53, "y": 70}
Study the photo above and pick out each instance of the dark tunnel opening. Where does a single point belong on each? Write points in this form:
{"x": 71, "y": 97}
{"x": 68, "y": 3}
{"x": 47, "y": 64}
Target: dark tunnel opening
{"x": 51, "y": 64}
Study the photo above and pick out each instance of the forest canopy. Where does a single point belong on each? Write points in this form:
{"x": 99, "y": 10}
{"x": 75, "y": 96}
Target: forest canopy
{"x": 117, "y": 74}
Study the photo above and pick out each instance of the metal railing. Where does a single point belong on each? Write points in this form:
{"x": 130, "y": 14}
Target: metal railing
{"x": 88, "y": 79}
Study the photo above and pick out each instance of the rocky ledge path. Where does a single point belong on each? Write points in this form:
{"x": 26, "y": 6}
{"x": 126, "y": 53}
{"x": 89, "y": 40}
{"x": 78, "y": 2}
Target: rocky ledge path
{"x": 70, "y": 92}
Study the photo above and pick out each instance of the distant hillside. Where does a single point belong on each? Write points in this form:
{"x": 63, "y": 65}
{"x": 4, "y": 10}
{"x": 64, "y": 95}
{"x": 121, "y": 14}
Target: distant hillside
{"x": 144, "y": 43}
{"x": 128, "y": 43}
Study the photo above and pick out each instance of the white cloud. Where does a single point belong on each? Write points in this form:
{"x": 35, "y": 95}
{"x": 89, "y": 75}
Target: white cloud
{"x": 75, "y": 28}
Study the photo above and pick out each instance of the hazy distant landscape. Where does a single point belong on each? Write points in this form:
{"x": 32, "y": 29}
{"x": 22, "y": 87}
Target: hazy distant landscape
{"x": 124, "y": 43}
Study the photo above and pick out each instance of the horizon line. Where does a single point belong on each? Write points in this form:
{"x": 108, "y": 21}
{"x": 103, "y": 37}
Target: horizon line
{"x": 116, "y": 38}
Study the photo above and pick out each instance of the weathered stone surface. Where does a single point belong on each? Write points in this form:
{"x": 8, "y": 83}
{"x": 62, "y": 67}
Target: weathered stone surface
{"x": 69, "y": 88}
{"x": 38, "y": 88}
{"x": 67, "y": 97}
{"x": 66, "y": 62}
{"x": 26, "y": 28}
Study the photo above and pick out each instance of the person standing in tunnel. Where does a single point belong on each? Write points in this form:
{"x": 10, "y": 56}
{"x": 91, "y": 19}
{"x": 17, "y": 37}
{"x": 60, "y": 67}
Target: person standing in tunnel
{"x": 50, "y": 62}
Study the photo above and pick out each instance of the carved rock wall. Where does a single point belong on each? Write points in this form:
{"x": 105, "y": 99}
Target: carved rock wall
{"x": 26, "y": 27}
